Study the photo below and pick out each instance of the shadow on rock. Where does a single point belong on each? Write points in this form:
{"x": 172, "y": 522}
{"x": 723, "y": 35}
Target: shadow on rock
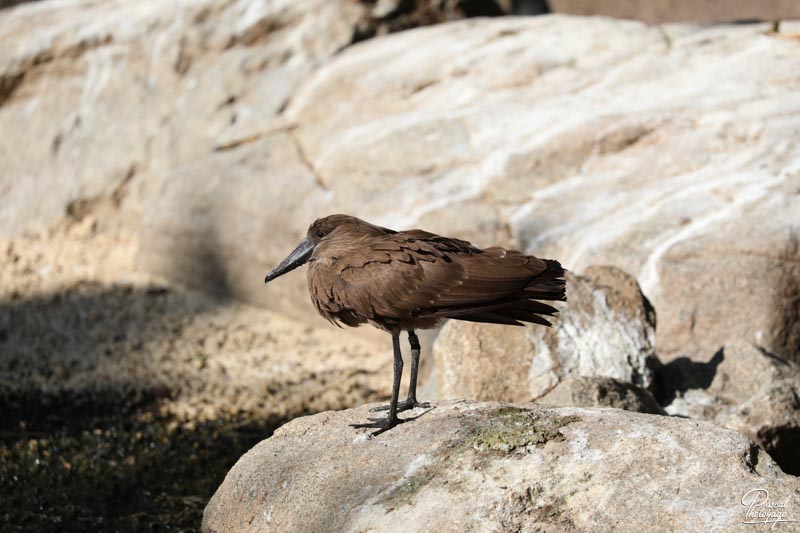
{"x": 91, "y": 337}
{"x": 782, "y": 444}
{"x": 682, "y": 374}
{"x": 743, "y": 387}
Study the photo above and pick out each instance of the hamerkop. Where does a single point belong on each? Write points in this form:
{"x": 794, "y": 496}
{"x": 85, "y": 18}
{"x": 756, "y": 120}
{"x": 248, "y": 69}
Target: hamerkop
{"x": 407, "y": 280}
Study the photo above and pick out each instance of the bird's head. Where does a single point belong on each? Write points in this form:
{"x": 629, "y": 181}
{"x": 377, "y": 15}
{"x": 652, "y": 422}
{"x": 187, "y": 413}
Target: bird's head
{"x": 325, "y": 230}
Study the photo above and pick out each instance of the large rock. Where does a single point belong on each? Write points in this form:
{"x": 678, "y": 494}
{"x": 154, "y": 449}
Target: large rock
{"x": 115, "y": 105}
{"x": 745, "y": 388}
{"x": 499, "y": 467}
{"x": 226, "y": 128}
{"x": 589, "y": 140}
{"x": 606, "y": 329}
{"x": 107, "y": 100}
{"x": 593, "y": 141}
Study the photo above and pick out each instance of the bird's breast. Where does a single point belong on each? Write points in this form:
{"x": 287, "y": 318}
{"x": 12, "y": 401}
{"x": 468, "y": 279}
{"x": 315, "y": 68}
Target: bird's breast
{"x": 324, "y": 287}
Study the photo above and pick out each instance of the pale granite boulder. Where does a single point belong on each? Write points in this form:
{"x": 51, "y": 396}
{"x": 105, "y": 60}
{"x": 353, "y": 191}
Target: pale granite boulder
{"x": 500, "y": 467}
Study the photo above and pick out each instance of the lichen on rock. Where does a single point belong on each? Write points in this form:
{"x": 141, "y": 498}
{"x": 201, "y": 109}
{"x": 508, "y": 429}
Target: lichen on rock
{"x": 510, "y": 428}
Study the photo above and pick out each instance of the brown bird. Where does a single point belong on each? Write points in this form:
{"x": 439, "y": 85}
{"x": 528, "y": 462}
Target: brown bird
{"x": 398, "y": 281}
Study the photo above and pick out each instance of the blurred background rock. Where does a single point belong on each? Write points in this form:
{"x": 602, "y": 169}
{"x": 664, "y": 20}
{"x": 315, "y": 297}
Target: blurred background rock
{"x": 157, "y": 158}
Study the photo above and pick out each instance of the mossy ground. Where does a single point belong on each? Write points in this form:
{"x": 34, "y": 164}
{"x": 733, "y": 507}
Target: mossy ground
{"x": 75, "y": 466}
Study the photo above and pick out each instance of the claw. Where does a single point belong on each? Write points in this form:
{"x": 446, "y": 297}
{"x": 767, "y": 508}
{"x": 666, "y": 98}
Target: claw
{"x": 402, "y": 406}
{"x": 382, "y": 425}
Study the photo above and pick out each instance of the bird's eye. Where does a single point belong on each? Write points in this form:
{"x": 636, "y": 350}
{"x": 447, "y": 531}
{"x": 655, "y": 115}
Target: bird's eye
{"x": 320, "y": 234}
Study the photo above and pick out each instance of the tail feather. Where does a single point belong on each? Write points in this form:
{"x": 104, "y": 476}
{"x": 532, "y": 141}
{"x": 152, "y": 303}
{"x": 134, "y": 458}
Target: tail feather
{"x": 549, "y": 285}
{"x": 535, "y": 307}
{"x": 527, "y": 316}
{"x": 523, "y": 307}
{"x": 490, "y": 318}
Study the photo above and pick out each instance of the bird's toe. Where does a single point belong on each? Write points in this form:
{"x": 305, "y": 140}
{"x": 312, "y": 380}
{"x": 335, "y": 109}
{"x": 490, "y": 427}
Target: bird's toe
{"x": 380, "y": 424}
{"x": 402, "y": 406}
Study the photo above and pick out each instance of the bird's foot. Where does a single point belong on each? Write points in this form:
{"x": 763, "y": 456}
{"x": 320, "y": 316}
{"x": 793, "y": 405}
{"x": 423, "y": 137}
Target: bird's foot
{"x": 405, "y": 405}
{"x": 381, "y": 424}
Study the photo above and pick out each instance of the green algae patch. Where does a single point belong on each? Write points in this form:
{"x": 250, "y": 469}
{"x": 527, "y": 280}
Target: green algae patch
{"x": 510, "y": 428}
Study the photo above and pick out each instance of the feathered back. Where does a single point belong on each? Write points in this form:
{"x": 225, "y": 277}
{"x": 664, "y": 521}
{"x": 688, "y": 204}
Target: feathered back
{"x": 412, "y": 279}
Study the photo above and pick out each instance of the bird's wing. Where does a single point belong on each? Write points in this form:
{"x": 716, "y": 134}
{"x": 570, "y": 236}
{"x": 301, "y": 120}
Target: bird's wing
{"x": 416, "y": 273}
{"x": 491, "y": 276}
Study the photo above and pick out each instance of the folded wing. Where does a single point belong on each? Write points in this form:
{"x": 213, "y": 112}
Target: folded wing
{"x": 419, "y": 275}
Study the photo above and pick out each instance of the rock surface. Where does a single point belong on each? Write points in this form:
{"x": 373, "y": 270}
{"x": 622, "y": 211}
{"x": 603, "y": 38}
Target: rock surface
{"x": 535, "y": 469}
{"x": 526, "y": 151}
{"x": 602, "y": 392}
{"x": 106, "y": 100}
{"x": 744, "y": 388}
{"x": 606, "y": 329}
{"x": 589, "y": 140}
{"x": 224, "y": 129}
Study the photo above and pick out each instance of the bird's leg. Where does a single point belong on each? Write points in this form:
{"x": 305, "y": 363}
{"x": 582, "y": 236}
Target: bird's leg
{"x": 385, "y": 424}
{"x": 410, "y": 402}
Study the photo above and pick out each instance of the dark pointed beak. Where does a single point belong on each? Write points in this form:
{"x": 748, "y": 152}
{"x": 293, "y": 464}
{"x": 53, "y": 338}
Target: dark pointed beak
{"x": 299, "y": 255}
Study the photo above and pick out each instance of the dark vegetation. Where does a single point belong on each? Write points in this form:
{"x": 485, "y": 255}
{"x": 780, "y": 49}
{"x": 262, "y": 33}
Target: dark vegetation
{"x": 104, "y": 463}
{"x": 100, "y": 455}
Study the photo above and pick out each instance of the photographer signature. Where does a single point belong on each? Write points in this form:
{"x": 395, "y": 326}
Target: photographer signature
{"x": 760, "y": 510}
